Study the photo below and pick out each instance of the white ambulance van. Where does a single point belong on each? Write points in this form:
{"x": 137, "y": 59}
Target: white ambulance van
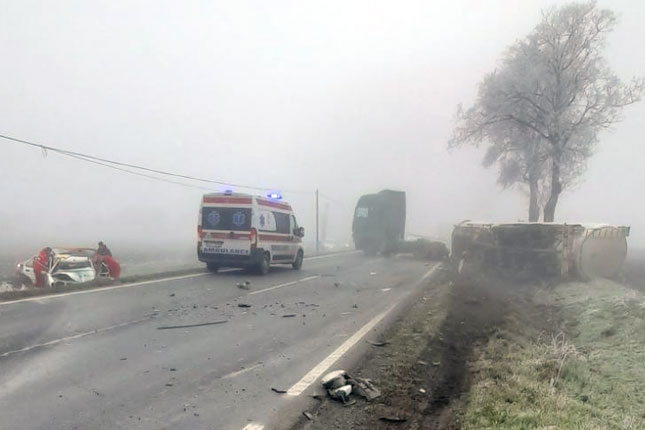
{"x": 243, "y": 230}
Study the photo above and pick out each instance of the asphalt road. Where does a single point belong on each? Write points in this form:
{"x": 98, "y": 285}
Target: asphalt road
{"x": 99, "y": 360}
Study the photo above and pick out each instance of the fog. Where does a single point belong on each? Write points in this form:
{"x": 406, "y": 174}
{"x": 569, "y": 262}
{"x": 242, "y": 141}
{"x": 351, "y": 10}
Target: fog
{"x": 344, "y": 97}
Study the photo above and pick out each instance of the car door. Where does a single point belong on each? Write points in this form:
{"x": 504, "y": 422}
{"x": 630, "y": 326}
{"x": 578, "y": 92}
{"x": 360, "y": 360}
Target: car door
{"x": 295, "y": 241}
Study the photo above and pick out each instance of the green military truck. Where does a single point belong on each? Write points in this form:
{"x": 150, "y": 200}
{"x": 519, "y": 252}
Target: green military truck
{"x": 379, "y": 222}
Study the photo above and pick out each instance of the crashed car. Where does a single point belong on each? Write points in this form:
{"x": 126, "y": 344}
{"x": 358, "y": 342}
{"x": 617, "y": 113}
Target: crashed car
{"x": 68, "y": 266}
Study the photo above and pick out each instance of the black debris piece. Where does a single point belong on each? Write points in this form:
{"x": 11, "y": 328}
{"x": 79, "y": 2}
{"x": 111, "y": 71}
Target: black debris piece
{"x": 243, "y": 305}
{"x": 395, "y": 420}
{"x": 377, "y": 343}
{"x": 309, "y": 415}
{"x": 169, "y": 327}
{"x": 278, "y": 390}
{"x": 288, "y": 316}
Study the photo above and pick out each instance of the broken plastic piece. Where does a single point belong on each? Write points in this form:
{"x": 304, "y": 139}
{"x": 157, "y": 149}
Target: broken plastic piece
{"x": 377, "y": 343}
{"x": 334, "y": 379}
{"x": 393, "y": 419}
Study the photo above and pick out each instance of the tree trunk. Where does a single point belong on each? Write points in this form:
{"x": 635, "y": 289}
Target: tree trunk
{"x": 534, "y": 208}
{"x": 556, "y": 189}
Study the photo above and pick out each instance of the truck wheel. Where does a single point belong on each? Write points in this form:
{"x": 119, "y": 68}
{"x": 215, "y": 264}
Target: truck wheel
{"x": 298, "y": 263}
{"x": 212, "y": 267}
{"x": 265, "y": 264}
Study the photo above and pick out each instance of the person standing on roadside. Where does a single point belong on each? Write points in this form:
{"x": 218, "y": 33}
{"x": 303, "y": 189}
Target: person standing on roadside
{"x": 41, "y": 265}
{"x": 104, "y": 255}
{"x": 103, "y": 250}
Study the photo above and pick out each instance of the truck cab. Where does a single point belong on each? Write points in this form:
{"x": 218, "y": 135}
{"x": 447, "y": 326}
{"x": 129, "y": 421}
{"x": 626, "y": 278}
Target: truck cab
{"x": 379, "y": 222}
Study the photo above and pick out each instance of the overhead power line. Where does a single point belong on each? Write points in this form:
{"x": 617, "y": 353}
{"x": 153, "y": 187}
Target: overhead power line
{"x": 117, "y": 165}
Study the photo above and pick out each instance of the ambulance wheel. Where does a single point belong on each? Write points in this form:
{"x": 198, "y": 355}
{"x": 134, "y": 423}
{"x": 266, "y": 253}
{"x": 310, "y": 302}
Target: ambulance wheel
{"x": 212, "y": 267}
{"x": 265, "y": 263}
{"x": 298, "y": 263}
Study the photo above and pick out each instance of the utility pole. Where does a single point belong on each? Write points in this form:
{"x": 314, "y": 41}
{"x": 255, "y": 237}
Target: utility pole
{"x": 317, "y": 232}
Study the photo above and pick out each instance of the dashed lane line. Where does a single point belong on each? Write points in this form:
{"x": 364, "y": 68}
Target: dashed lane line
{"x": 75, "y": 336}
{"x": 286, "y": 284}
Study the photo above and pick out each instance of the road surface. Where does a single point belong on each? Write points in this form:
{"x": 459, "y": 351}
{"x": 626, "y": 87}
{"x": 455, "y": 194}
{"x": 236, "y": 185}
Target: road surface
{"x": 146, "y": 356}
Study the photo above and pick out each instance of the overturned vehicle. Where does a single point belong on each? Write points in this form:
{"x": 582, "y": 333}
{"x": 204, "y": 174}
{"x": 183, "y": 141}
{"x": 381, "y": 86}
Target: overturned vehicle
{"x": 545, "y": 250}
{"x": 67, "y": 266}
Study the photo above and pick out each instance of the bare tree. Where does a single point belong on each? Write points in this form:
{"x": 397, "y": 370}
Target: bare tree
{"x": 556, "y": 88}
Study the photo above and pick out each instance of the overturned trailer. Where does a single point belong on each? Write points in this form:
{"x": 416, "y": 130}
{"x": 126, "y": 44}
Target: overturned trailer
{"x": 541, "y": 249}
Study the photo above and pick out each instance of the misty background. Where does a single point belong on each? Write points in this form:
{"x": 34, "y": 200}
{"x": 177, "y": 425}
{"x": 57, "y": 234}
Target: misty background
{"x": 345, "y": 97}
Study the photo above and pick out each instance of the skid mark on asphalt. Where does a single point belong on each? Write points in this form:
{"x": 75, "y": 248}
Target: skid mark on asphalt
{"x": 76, "y": 336}
{"x": 286, "y": 284}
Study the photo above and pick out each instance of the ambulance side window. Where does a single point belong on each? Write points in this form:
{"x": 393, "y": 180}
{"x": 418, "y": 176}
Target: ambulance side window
{"x": 282, "y": 222}
{"x": 266, "y": 221}
{"x": 294, "y": 224}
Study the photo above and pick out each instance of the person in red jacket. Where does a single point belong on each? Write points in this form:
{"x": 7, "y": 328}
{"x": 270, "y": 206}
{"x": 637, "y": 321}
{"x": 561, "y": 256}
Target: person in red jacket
{"x": 114, "y": 269}
{"x": 104, "y": 255}
{"x": 41, "y": 265}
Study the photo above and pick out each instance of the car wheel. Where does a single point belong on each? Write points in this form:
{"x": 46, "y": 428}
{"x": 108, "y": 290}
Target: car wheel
{"x": 265, "y": 264}
{"x": 299, "y": 258}
{"x": 212, "y": 267}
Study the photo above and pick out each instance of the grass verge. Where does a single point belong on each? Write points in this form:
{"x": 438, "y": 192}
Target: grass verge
{"x": 572, "y": 358}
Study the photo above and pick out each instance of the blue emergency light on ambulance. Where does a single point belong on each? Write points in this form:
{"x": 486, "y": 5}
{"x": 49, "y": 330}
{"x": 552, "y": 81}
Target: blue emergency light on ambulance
{"x": 243, "y": 230}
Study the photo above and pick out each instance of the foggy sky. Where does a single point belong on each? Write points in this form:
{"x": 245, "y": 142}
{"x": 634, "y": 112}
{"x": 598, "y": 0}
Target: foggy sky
{"x": 345, "y": 97}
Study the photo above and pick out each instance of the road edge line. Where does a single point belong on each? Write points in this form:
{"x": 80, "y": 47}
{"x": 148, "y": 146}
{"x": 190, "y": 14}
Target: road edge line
{"x": 315, "y": 373}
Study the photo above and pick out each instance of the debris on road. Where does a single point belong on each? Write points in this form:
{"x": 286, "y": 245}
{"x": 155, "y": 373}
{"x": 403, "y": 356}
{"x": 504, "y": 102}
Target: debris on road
{"x": 243, "y": 285}
{"x": 341, "y": 393}
{"x": 377, "y": 343}
{"x": 372, "y": 273}
{"x": 423, "y": 363}
{"x": 337, "y": 284}
{"x": 172, "y": 294}
{"x": 355, "y": 306}
{"x": 365, "y": 389}
{"x": 243, "y": 305}
{"x": 422, "y": 391}
{"x": 123, "y": 358}
{"x": 393, "y": 419}
{"x": 341, "y": 385}
{"x": 436, "y": 363}
{"x": 278, "y": 390}
{"x": 309, "y": 415}
{"x": 169, "y": 327}
{"x": 288, "y": 316}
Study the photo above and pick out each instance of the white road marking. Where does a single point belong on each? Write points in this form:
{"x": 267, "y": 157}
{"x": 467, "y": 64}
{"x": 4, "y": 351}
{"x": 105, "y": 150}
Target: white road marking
{"x": 333, "y": 254}
{"x": 143, "y": 283}
{"x": 242, "y": 371}
{"x": 75, "y": 336}
{"x": 275, "y": 287}
{"x": 327, "y": 362}
{"x": 317, "y": 371}
{"x": 253, "y": 426}
{"x": 102, "y": 289}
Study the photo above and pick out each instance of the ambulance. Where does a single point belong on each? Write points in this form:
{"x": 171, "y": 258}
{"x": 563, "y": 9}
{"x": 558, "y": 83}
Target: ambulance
{"x": 249, "y": 231}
